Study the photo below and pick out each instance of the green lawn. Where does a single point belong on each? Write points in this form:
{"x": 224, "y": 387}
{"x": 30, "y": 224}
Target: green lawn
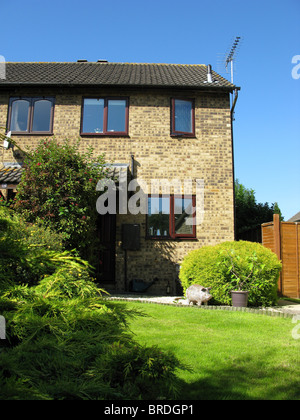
{"x": 234, "y": 355}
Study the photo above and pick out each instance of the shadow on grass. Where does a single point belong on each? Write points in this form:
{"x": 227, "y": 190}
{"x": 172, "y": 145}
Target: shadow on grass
{"x": 243, "y": 383}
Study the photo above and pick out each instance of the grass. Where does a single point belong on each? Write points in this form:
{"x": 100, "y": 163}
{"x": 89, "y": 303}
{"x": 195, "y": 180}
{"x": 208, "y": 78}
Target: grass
{"x": 233, "y": 355}
{"x": 293, "y": 300}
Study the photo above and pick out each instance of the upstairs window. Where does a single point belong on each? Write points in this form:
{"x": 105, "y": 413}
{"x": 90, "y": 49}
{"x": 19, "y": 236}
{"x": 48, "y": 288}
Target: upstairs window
{"x": 171, "y": 217}
{"x": 104, "y": 116}
{"x": 31, "y": 115}
{"x": 182, "y": 117}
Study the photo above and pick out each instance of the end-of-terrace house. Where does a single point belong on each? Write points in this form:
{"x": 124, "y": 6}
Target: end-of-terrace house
{"x": 168, "y": 126}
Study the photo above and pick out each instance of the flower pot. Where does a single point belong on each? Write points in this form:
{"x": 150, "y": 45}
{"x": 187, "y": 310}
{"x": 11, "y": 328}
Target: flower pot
{"x": 239, "y": 299}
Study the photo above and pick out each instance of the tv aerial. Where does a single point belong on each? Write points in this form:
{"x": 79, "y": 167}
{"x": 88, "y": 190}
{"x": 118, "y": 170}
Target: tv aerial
{"x": 228, "y": 59}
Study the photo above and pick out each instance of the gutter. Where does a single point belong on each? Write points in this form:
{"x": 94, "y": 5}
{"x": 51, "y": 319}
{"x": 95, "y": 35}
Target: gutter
{"x": 232, "y": 151}
{"x": 234, "y": 102}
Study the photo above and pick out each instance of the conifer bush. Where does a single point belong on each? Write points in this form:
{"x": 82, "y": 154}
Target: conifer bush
{"x": 63, "y": 339}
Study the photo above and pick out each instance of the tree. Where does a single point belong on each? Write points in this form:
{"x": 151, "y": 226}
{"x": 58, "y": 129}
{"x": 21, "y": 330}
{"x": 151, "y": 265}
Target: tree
{"x": 58, "y": 187}
{"x": 250, "y": 214}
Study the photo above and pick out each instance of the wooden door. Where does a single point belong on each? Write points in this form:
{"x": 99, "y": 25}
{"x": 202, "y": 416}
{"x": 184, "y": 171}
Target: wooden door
{"x": 107, "y": 254}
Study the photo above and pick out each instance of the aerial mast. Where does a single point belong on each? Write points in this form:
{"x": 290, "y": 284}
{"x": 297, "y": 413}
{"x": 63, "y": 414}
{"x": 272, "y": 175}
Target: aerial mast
{"x": 231, "y": 56}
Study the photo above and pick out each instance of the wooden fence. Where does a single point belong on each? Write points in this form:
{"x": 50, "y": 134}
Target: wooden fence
{"x": 283, "y": 238}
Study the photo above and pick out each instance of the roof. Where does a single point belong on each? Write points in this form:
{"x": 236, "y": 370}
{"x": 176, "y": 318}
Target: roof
{"x": 10, "y": 175}
{"x": 112, "y": 74}
{"x": 295, "y": 218}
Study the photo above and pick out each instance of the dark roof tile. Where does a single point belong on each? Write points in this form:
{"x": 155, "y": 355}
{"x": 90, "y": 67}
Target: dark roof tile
{"x": 109, "y": 74}
{"x": 295, "y": 218}
{"x": 10, "y": 175}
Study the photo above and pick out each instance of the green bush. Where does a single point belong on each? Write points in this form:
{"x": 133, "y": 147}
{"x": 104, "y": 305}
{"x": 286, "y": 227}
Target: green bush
{"x": 217, "y": 266}
{"x": 78, "y": 347}
{"x": 26, "y": 250}
{"x": 63, "y": 340}
{"x": 58, "y": 186}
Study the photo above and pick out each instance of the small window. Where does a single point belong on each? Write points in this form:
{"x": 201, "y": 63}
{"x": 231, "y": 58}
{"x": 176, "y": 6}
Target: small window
{"x": 31, "y": 115}
{"x": 171, "y": 217}
{"x": 20, "y": 115}
{"x": 183, "y": 117}
{"x": 104, "y": 116}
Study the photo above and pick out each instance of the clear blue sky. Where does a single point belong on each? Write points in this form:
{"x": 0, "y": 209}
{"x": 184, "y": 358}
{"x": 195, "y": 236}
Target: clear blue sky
{"x": 267, "y": 119}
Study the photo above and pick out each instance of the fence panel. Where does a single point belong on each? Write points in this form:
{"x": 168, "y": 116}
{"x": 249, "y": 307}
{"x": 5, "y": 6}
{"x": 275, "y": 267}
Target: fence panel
{"x": 283, "y": 238}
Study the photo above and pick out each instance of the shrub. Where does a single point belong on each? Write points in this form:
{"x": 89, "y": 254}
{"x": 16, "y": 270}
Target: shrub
{"x": 58, "y": 186}
{"x": 211, "y": 266}
{"x": 63, "y": 340}
{"x": 25, "y": 249}
{"x": 66, "y": 342}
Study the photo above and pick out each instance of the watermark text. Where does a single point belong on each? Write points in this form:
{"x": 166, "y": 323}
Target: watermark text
{"x": 133, "y": 197}
{"x": 2, "y": 68}
{"x": 296, "y": 68}
{"x": 2, "y": 328}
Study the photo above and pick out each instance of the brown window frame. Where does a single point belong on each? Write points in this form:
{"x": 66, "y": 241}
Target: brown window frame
{"x": 105, "y": 117}
{"x": 172, "y": 235}
{"x": 32, "y": 100}
{"x": 182, "y": 133}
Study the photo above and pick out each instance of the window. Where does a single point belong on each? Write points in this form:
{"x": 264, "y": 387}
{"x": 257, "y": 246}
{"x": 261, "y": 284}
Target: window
{"x": 31, "y": 115}
{"x": 182, "y": 117}
{"x": 104, "y": 116}
{"x": 171, "y": 217}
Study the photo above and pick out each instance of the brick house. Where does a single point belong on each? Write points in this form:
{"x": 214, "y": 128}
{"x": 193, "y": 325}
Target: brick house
{"x": 160, "y": 122}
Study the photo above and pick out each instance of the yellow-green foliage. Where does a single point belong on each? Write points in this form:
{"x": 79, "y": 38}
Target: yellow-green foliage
{"x": 217, "y": 266}
{"x": 63, "y": 341}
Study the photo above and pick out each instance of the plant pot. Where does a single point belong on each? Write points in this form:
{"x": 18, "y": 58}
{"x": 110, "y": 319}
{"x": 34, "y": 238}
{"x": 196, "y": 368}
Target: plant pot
{"x": 239, "y": 299}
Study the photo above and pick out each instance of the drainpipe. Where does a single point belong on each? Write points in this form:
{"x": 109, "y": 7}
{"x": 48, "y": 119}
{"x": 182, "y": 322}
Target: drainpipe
{"x": 132, "y": 167}
{"x": 232, "y": 151}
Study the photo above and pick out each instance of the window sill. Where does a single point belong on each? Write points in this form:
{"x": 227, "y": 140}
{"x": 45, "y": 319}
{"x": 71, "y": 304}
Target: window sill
{"x": 104, "y": 135}
{"x": 193, "y": 136}
{"x": 168, "y": 238}
{"x": 42, "y": 133}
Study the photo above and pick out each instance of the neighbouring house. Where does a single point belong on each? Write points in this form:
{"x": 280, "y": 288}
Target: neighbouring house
{"x": 295, "y": 218}
{"x": 167, "y": 126}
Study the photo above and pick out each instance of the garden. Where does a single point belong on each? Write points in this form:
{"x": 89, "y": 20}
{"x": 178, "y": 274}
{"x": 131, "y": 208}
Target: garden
{"x": 231, "y": 355}
{"x": 65, "y": 341}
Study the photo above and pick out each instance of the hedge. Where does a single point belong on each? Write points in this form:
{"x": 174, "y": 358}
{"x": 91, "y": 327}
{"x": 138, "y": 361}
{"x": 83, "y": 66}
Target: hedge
{"x": 211, "y": 266}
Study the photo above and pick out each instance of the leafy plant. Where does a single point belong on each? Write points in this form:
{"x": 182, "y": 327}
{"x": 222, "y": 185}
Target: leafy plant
{"x": 64, "y": 341}
{"x": 249, "y": 213}
{"x": 233, "y": 265}
{"x": 58, "y": 187}
{"x": 27, "y": 250}
{"x": 243, "y": 271}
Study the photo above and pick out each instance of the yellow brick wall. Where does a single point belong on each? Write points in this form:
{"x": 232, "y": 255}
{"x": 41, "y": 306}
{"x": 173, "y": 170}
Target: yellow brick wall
{"x": 157, "y": 155}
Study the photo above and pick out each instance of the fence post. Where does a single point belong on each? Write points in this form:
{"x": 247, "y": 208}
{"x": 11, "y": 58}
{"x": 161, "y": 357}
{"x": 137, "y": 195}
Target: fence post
{"x": 277, "y": 243}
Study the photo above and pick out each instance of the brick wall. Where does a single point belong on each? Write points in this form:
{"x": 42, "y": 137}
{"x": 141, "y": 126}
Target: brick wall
{"x": 157, "y": 155}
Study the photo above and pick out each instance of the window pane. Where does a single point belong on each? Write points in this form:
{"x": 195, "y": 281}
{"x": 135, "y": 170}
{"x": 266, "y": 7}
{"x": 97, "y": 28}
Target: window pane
{"x": 183, "y": 116}
{"x": 93, "y": 116}
{"x": 158, "y": 216}
{"x": 19, "y": 115}
{"x": 42, "y": 115}
{"x": 183, "y": 207}
{"x": 116, "y": 115}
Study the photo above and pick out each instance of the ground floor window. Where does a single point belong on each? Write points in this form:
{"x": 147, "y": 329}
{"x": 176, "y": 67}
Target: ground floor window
{"x": 171, "y": 217}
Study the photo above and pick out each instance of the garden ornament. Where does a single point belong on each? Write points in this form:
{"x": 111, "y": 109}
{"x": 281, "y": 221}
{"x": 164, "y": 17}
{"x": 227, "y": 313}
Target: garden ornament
{"x": 198, "y": 294}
